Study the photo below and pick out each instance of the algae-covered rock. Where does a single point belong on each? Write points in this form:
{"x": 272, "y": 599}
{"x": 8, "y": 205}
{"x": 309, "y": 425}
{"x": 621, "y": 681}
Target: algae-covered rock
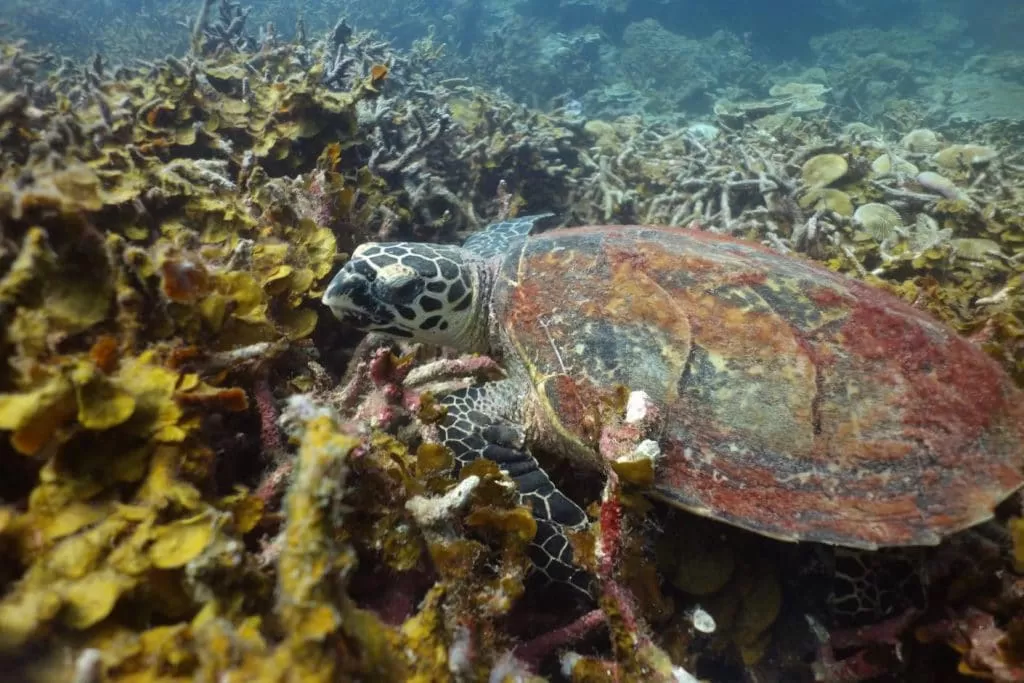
{"x": 939, "y": 184}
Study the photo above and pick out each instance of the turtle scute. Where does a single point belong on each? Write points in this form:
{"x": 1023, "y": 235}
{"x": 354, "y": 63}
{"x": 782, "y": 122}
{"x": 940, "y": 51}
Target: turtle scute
{"x": 798, "y": 403}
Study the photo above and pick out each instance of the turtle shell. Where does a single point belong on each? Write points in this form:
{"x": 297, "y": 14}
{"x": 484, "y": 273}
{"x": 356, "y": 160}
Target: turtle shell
{"x": 795, "y": 402}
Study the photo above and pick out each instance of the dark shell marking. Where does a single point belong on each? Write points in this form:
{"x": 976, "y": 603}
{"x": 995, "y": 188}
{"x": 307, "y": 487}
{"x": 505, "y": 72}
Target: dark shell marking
{"x": 798, "y": 403}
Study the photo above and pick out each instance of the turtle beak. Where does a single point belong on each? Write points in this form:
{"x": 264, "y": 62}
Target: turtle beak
{"x": 335, "y": 291}
{"x": 348, "y": 297}
{"x": 338, "y": 295}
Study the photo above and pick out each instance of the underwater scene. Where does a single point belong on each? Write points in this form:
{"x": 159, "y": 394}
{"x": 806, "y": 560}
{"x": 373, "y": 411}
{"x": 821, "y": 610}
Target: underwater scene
{"x": 511, "y": 341}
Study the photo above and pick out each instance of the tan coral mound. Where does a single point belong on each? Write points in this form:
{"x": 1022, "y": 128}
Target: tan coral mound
{"x": 880, "y": 220}
{"x": 961, "y": 156}
{"x": 823, "y": 170}
{"x": 921, "y": 141}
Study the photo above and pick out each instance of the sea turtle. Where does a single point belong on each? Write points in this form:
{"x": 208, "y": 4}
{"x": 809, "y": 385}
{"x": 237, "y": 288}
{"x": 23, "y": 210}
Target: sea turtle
{"x": 795, "y": 402}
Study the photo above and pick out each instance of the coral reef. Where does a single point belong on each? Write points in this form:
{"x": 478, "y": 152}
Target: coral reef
{"x": 677, "y": 72}
{"x": 196, "y": 488}
{"x": 164, "y": 229}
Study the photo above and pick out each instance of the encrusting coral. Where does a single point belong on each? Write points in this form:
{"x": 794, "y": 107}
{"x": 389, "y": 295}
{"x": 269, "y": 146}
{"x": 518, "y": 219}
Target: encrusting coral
{"x": 189, "y": 491}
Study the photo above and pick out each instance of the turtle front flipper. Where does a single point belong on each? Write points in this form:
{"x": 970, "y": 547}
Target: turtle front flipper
{"x": 480, "y": 423}
{"x": 497, "y": 238}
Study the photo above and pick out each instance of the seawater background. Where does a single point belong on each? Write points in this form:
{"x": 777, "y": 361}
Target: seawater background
{"x": 959, "y": 59}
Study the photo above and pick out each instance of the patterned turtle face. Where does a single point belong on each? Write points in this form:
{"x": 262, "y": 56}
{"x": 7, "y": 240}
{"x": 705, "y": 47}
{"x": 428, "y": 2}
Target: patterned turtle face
{"x": 422, "y": 292}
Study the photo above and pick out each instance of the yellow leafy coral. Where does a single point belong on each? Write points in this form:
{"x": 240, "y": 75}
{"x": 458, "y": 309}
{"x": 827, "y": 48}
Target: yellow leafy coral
{"x": 140, "y": 273}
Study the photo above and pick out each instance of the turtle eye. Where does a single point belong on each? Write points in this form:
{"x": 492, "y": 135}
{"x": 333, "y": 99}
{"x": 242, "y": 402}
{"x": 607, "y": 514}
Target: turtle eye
{"x": 401, "y": 291}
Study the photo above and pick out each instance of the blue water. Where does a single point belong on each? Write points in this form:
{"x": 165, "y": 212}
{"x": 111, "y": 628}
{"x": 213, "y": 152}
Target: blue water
{"x": 618, "y": 56}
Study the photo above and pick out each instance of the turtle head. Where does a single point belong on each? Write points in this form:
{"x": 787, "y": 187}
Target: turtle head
{"x": 421, "y": 292}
